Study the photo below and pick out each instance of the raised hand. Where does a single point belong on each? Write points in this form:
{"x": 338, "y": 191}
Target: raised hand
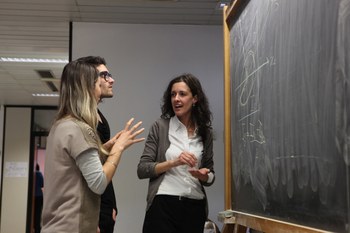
{"x": 108, "y": 145}
{"x": 126, "y": 137}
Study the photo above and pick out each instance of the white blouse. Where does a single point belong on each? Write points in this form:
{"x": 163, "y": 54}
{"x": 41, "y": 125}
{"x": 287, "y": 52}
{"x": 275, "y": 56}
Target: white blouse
{"x": 178, "y": 181}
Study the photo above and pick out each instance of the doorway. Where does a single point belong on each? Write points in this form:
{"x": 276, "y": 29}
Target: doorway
{"x": 41, "y": 124}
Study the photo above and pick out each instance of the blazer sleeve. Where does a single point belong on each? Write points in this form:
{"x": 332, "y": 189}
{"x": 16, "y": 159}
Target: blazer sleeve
{"x": 148, "y": 160}
{"x": 207, "y": 160}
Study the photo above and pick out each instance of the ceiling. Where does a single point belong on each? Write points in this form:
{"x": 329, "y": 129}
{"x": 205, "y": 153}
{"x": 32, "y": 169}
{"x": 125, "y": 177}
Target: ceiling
{"x": 40, "y": 29}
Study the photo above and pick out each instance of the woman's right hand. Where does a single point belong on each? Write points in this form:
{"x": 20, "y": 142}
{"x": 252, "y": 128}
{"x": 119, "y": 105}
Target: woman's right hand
{"x": 109, "y": 144}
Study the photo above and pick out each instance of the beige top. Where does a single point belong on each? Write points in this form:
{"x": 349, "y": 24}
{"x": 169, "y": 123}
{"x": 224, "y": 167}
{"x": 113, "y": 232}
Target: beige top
{"x": 69, "y": 204}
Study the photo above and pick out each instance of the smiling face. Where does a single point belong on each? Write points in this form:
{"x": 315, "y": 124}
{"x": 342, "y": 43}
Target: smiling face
{"x": 106, "y": 85}
{"x": 182, "y": 101}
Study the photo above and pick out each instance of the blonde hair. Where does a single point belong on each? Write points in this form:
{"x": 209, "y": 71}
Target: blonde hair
{"x": 77, "y": 98}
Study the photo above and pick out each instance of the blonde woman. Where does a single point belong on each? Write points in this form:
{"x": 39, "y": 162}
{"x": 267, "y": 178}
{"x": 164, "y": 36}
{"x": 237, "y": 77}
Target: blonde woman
{"x": 74, "y": 175}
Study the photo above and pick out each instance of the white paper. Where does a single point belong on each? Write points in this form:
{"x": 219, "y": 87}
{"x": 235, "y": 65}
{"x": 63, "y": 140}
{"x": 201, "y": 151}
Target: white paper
{"x": 16, "y": 169}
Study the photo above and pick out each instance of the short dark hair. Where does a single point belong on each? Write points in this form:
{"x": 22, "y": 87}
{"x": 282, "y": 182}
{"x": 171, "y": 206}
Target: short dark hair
{"x": 93, "y": 60}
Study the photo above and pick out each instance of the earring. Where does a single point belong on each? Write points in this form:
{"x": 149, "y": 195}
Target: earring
{"x": 193, "y": 105}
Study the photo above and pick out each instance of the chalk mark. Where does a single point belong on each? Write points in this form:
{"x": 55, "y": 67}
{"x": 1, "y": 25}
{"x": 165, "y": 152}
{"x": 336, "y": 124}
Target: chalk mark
{"x": 248, "y": 115}
{"x": 252, "y": 73}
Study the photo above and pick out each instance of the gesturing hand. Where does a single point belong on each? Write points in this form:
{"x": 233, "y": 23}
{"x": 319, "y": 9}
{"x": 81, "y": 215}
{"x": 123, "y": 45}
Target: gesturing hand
{"x": 108, "y": 145}
{"x": 126, "y": 137}
{"x": 201, "y": 174}
{"x": 186, "y": 158}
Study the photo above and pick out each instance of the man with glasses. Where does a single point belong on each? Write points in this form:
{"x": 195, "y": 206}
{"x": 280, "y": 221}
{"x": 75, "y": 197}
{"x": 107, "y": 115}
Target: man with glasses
{"x": 108, "y": 209}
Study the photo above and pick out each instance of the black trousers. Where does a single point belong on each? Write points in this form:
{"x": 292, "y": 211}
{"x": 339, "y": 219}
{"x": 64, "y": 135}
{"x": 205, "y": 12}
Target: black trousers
{"x": 106, "y": 223}
{"x": 37, "y": 213}
{"x": 172, "y": 214}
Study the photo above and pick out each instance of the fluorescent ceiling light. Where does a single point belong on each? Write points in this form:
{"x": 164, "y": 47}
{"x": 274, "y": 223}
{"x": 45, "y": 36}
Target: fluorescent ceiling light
{"x": 33, "y": 60}
{"x": 45, "y": 95}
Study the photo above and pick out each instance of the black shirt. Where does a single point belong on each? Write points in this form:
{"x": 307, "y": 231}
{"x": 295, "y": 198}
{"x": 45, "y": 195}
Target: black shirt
{"x": 108, "y": 200}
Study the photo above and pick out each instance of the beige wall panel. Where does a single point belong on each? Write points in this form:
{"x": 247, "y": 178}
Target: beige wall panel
{"x": 15, "y": 171}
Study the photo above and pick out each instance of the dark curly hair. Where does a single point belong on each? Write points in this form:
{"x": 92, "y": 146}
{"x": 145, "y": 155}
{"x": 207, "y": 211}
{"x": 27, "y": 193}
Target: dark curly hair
{"x": 201, "y": 114}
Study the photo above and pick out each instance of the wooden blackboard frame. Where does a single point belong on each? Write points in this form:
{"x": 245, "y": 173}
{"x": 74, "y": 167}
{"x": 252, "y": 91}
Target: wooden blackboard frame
{"x": 240, "y": 221}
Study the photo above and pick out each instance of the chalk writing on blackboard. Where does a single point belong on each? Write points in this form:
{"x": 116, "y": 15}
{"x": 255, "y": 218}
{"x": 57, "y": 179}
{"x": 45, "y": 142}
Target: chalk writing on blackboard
{"x": 285, "y": 158}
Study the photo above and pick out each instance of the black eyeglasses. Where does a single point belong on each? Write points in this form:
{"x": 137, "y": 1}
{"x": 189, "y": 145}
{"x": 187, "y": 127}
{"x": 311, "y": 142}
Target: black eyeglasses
{"x": 106, "y": 75}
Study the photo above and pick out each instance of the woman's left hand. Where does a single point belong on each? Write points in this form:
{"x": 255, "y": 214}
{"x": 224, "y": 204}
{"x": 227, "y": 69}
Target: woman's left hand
{"x": 201, "y": 174}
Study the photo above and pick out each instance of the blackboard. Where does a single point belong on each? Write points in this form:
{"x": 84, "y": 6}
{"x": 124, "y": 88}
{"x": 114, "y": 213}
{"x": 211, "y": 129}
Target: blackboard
{"x": 290, "y": 111}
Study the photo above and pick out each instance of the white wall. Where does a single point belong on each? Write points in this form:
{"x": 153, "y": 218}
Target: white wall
{"x": 143, "y": 59}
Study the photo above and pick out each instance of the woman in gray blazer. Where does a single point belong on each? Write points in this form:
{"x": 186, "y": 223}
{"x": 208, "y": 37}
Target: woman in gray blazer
{"x": 178, "y": 160}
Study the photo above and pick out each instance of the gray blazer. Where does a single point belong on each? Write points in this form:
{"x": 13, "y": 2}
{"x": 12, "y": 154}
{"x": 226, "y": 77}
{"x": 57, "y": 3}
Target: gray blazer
{"x": 154, "y": 152}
